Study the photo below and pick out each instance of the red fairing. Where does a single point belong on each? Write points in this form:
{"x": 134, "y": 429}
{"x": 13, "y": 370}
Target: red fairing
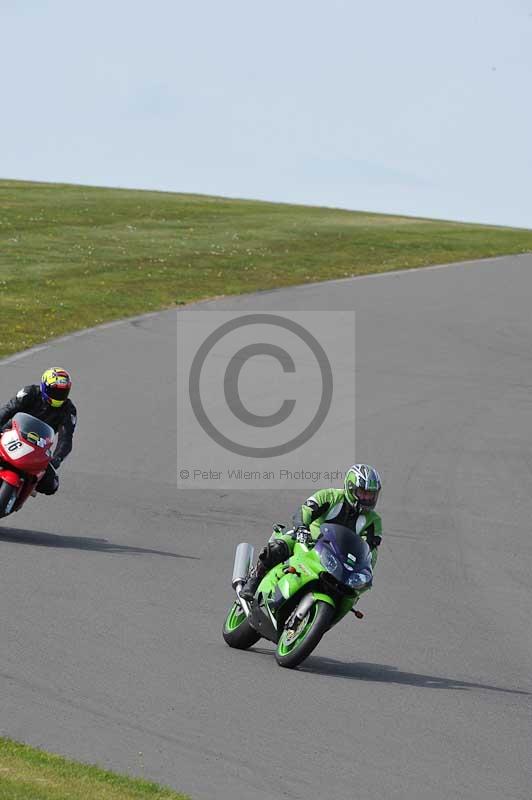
{"x": 25, "y": 452}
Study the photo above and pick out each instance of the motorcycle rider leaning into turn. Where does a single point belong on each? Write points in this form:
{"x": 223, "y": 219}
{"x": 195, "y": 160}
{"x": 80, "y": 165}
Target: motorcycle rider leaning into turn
{"x": 353, "y": 506}
{"x": 48, "y": 402}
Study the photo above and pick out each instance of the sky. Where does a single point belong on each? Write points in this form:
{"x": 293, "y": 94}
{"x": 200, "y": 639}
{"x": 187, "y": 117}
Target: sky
{"x": 412, "y": 107}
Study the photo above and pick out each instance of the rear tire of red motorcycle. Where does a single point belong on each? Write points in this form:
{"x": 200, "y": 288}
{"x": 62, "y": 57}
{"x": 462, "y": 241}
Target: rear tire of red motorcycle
{"x": 6, "y": 493}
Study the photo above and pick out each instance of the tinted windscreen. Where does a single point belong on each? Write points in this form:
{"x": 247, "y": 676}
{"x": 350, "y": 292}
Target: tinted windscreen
{"x": 345, "y": 542}
{"x": 28, "y": 424}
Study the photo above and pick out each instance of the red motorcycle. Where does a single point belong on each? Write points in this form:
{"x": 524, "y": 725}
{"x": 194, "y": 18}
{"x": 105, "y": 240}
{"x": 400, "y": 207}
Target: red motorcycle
{"x": 25, "y": 452}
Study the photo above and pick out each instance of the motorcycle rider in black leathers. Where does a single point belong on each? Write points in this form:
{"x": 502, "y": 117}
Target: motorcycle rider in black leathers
{"x": 48, "y": 402}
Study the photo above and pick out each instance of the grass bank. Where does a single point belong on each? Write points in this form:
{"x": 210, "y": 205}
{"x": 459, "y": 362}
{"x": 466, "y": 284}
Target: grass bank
{"x": 29, "y": 774}
{"x": 74, "y": 256}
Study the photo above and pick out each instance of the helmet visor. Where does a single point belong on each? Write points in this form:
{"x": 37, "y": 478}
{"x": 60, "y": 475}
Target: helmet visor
{"x": 58, "y": 391}
{"x": 367, "y": 497}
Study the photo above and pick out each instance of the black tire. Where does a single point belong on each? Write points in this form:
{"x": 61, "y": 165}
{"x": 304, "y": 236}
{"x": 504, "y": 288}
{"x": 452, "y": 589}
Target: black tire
{"x": 6, "y": 493}
{"x": 319, "y": 621}
{"x": 242, "y": 635}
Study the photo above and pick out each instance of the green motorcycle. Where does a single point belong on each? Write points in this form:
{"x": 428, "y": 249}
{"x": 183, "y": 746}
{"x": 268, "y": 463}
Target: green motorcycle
{"x": 300, "y": 599}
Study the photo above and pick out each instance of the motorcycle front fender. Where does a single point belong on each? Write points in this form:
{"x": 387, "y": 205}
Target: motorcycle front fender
{"x": 10, "y": 477}
{"x": 324, "y": 597}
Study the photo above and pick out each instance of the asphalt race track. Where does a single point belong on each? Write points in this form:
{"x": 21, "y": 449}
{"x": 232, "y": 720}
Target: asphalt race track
{"x": 113, "y": 593}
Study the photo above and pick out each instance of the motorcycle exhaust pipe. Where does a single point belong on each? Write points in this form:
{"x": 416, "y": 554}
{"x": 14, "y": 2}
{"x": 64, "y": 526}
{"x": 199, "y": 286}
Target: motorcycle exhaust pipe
{"x": 243, "y": 561}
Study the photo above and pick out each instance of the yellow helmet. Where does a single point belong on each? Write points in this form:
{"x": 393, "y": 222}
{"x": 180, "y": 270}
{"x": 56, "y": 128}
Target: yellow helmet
{"x": 55, "y": 386}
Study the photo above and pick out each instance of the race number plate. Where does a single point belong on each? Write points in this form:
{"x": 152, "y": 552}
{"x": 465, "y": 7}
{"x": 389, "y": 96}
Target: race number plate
{"x": 14, "y": 447}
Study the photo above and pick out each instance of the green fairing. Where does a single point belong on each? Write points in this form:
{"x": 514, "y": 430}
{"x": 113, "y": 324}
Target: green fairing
{"x": 278, "y": 585}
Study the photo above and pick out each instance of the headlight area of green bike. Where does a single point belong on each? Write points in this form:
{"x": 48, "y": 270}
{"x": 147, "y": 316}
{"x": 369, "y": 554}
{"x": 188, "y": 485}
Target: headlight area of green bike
{"x": 299, "y": 600}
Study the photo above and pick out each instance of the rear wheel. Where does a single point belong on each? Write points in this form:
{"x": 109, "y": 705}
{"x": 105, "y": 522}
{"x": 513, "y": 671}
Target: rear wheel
{"x": 7, "y": 493}
{"x": 299, "y": 639}
{"x": 237, "y": 631}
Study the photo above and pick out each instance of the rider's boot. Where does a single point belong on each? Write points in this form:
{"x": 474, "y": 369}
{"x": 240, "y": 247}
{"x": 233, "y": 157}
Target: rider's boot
{"x": 252, "y": 584}
{"x": 274, "y": 553}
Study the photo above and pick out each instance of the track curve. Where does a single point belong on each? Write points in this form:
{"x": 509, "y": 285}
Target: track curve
{"x": 111, "y": 648}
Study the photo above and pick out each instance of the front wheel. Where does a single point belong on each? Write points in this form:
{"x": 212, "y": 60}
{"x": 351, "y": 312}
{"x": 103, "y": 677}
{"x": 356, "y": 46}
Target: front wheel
{"x": 237, "y": 631}
{"x": 8, "y": 494}
{"x": 298, "y": 641}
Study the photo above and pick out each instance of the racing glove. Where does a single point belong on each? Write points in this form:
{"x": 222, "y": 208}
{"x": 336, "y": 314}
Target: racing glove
{"x": 373, "y": 540}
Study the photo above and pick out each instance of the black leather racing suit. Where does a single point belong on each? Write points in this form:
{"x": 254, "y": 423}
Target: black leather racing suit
{"x": 63, "y": 420}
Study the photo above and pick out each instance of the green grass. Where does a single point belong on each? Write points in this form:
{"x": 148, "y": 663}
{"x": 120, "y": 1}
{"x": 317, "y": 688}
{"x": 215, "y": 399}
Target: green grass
{"x": 73, "y": 256}
{"x": 29, "y": 774}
